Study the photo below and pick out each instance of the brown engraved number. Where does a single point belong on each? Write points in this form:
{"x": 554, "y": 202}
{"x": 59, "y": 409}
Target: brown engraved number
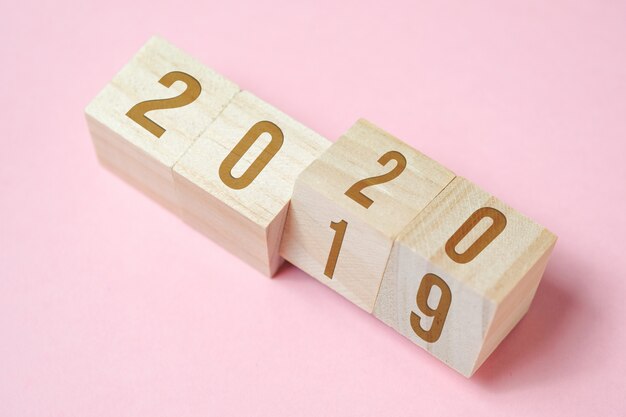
{"x": 340, "y": 231}
{"x": 355, "y": 192}
{"x": 438, "y": 313}
{"x": 243, "y": 146}
{"x": 139, "y": 110}
{"x": 498, "y": 225}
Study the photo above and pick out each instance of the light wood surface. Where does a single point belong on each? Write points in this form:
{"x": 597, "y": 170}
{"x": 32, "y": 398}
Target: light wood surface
{"x": 490, "y": 290}
{"x": 134, "y": 152}
{"x": 247, "y": 220}
{"x": 430, "y": 254}
{"x": 320, "y": 198}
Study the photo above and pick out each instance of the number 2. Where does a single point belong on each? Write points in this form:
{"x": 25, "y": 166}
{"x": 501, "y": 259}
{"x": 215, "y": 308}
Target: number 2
{"x": 355, "y": 192}
{"x": 138, "y": 112}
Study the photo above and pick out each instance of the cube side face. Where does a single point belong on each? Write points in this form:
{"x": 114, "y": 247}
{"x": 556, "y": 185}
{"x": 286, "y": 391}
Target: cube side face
{"x": 210, "y": 216}
{"x": 273, "y": 238}
{"x": 133, "y": 165}
{"x": 512, "y": 308}
{"x": 466, "y": 318}
{"x": 334, "y": 233}
{"x": 308, "y": 241}
{"x": 485, "y": 253}
{"x": 203, "y": 92}
{"x": 211, "y": 192}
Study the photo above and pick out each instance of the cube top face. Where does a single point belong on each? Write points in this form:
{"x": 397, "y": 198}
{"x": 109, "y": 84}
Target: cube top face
{"x": 379, "y": 178}
{"x": 190, "y": 97}
{"x": 250, "y": 157}
{"x": 477, "y": 239}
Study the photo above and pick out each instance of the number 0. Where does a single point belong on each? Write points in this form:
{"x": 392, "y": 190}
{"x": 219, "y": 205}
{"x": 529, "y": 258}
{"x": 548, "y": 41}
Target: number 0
{"x": 498, "y": 225}
{"x": 244, "y": 146}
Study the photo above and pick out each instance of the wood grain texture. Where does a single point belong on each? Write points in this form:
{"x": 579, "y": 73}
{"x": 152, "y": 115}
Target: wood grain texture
{"x": 319, "y": 199}
{"x": 129, "y": 149}
{"x": 248, "y": 221}
{"x": 489, "y": 293}
{"x": 368, "y": 216}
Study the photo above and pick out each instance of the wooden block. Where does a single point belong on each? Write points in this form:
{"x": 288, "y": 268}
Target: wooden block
{"x": 462, "y": 274}
{"x": 144, "y": 120}
{"x": 349, "y": 205}
{"x": 236, "y": 181}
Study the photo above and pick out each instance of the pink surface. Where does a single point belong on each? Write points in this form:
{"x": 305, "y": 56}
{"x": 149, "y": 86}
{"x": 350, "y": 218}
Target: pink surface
{"x": 111, "y": 306}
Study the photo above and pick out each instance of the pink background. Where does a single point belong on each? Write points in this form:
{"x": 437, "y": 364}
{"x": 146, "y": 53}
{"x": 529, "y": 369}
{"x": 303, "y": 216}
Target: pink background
{"x": 111, "y": 306}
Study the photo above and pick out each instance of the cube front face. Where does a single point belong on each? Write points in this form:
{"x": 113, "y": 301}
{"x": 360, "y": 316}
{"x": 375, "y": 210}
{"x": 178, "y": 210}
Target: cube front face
{"x": 349, "y": 205}
{"x": 333, "y": 245}
{"x": 236, "y": 181}
{"x": 453, "y": 271}
{"x": 151, "y": 112}
{"x": 449, "y": 324}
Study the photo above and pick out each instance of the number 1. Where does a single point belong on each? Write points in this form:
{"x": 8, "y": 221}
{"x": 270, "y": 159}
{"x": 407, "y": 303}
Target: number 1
{"x": 340, "y": 231}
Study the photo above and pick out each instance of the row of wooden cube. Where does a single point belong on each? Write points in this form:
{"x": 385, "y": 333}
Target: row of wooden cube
{"x": 427, "y": 252}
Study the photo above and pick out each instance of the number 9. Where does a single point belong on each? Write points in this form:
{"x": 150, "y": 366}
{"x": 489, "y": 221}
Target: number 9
{"x": 438, "y": 314}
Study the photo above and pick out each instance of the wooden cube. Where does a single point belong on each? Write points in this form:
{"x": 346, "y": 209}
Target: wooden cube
{"x": 349, "y": 205}
{"x": 236, "y": 181}
{"x": 462, "y": 274}
{"x": 145, "y": 119}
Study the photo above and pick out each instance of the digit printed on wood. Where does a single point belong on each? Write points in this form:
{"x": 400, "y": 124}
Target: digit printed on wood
{"x": 462, "y": 274}
{"x": 430, "y": 254}
{"x": 349, "y": 205}
{"x": 236, "y": 181}
{"x": 145, "y": 119}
